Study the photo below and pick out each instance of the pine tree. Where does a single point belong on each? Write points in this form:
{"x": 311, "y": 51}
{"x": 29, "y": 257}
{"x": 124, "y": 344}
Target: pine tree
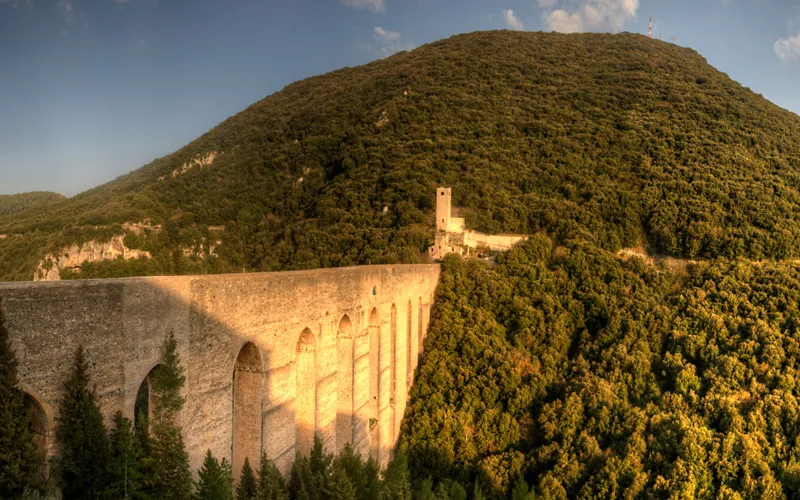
{"x": 81, "y": 436}
{"x": 20, "y": 461}
{"x": 364, "y": 476}
{"x": 302, "y": 484}
{"x": 397, "y": 479}
{"x": 425, "y": 490}
{"x": 124, "y": 473}
{"x": 270, "y": 482}
{"x": 520, "y": 491}
{"x": 318, "y": 459}
{"x": 247, "y": 488}
{"x": 477, "y": 492}
{"x": 337, "y": 486}
{"x": 169, "y": 477}
{"x": 214, "y": 481}
{"x": 456, "y": 491}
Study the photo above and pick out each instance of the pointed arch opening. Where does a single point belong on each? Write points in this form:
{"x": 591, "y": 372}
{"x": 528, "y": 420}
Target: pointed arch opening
{"x": 306, "y": 393}
{"x": 247, "y": 411}
{"x": 409, "y": 336}
{"x": 374, "y": 382}
{"x": 344, "y": 384}
{"x": 393, "y": 375}
{"x": 39, "y": 424}
{"x": 420, "y": 331}
{"x": 143, "y": 407}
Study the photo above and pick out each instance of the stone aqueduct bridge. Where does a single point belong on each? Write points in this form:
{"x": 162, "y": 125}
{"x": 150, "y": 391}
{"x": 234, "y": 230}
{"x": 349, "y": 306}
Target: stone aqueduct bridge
{"x": 270, "y": 359}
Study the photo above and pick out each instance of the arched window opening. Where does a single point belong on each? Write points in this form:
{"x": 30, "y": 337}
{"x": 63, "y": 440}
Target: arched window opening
{"x": 420, "y": 332}
{"x": 374, "y": 383}
{"x": 344, "y": 384}
{"x": 306, "y": 393}
{"x": 143, "y": 407}
{"x": 247, "y": 414}
{"x": 393, "y": 374}
{"x": 40, "y": 427}
{"x": 409, "y": 336}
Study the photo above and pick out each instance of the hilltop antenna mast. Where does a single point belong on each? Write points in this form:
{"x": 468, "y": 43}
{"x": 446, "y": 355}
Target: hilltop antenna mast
{"x": 650, "y": 31}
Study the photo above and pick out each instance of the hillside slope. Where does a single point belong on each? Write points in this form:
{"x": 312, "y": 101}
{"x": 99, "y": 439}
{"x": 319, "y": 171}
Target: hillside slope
{"x": 616, "y": 140}
{"x": 15, "y": 203}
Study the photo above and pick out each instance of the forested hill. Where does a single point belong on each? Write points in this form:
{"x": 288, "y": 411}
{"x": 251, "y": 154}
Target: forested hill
{"x": 12, "y": 204}
{"x": 615, "y": 140}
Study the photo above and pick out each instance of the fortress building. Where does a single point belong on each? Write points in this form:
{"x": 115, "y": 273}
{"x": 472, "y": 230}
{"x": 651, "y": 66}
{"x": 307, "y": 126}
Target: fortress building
{"x": 452, "y": 236}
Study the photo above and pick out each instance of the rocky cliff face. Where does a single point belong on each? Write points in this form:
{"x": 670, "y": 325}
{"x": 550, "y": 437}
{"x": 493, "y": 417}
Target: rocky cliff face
{"x": 73, "y": 257}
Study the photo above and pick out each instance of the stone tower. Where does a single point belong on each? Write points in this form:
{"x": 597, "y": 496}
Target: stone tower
{"x": 443, "y": 209}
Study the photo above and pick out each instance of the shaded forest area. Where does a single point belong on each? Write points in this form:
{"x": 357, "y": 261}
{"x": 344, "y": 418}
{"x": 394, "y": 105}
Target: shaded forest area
{"x": 615, "y": 140}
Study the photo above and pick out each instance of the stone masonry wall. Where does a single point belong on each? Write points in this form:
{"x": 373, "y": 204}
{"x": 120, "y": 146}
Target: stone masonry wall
{"x": 283, "y": 328}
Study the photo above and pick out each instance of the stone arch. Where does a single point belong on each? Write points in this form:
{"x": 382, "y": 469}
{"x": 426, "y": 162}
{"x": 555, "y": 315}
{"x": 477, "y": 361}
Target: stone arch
{"x": 344, "y": 383}
{"x": 374, "y": 382}
{"x": 40, "y": 426}
{"x": 246, "y": 402}
{"x": 305, "y": 393}
{"x": 409, "y": 336}
{"x": 143, "y": 405}
{"x": 393, "y": 373}
{"x": 420, "y": 331}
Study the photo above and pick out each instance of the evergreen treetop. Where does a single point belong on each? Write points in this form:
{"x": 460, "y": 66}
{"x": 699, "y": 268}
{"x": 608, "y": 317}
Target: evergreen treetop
{"x": 20, "y": 461}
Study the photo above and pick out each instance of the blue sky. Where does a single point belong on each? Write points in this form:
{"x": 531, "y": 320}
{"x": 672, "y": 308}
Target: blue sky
{"x": 92, "y": 89}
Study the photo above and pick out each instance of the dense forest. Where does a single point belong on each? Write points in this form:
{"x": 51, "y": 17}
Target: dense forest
{"x": 617, "y": 140}
{"x": 592, "y": 377}
{"x": 12, "y": 204}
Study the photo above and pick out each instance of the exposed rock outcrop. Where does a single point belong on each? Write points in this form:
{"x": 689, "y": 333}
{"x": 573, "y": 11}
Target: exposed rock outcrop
{"x": 74, "y": 256}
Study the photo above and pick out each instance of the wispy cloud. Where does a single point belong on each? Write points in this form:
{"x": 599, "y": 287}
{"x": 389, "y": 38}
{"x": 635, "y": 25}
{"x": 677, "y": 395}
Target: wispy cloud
{"x": 572, "y": 16}
{"x": 373, "y": 5}
{"x": 388, "y": 42}
{"x": 512, "y": 21}
{"x": 788, "y": 49}
{"x": 65, "y": 9}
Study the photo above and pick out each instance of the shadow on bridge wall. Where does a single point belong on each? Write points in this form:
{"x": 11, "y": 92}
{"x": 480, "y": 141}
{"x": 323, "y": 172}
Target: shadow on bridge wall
{"x": 271, "y": 359}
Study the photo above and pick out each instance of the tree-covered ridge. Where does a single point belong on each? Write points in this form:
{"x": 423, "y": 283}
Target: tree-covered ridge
{"x": 612, "y": 139}
{"x": 15, "y": 203}
{"x": 596, "y": 378}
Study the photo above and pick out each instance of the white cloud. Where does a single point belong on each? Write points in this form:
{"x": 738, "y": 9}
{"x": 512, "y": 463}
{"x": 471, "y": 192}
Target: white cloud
{"x": 388, "y": 43}
{"x": 788, "y": 49}
{"x": 572, "y": 16}
{"x": 388, "y": 36}
{"x": 373, "y": 5}
{"x": 512, "y": 21}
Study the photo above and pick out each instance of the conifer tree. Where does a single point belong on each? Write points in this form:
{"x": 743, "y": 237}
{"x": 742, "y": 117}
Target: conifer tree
{"x": 81, "y": 436}
{"x": 456, "y": 491}
{"x": 363, "y": 475}
{"x": 270, "y": 482}
{"x": 20, "y": 461}
{"x": 425, "y": 490}
{"x": 169, "y": 477}
{"x": 302, "y": 484}
{"x": 214, "y": 481}
{"x": 397, "y": 479}
{"x": 520, "y": 491}
{"x": 337, "y": 485}
{"x": 319, "y": 461}
{"x": 477, "y": 492}
{"x": 124, "y": 473}
{"x": 247, "y": 488}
